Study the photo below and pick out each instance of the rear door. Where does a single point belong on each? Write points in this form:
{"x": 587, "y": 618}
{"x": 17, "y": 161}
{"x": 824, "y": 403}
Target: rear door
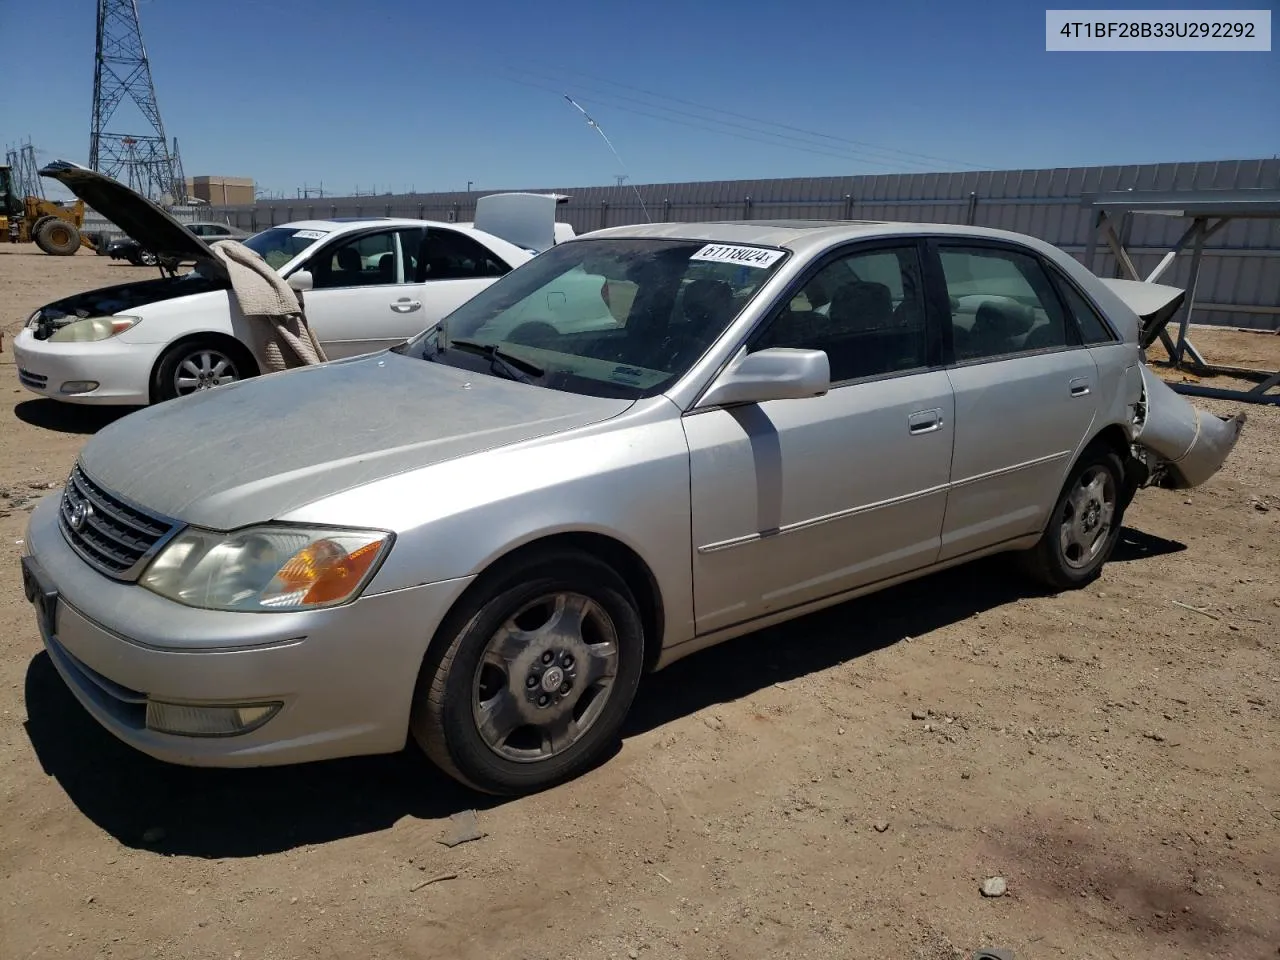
{"x": 1026, "y": 391}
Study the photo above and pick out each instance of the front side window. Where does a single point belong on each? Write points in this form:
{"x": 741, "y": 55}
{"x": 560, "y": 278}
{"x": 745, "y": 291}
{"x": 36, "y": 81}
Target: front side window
{"x": 363, "y": 261}
{"x": 619, "y": 318}
{"x": 865, "y": 310}
{"x": 279, "y": 245}
{"x": 1001, "y": 303}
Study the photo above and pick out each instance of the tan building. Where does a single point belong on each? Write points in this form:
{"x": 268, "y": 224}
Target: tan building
{"x": 221, "y": 191}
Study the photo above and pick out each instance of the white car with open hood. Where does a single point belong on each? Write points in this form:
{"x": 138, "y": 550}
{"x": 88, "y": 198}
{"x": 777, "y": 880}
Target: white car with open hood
{"x": 369, "y": 284}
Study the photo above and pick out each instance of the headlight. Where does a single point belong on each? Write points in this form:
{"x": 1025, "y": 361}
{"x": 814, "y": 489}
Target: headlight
{"x": 268, "y": 568}
{"x": 94, "y": 328}
{"x": 31, "y": 320}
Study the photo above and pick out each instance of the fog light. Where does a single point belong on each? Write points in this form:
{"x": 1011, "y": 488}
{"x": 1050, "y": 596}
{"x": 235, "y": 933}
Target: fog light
{"x": 187, "y": 720}
{"x": 79, "y": 386}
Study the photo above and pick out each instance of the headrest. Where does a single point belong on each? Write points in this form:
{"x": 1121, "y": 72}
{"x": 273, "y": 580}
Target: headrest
{"x": 1004, "y": 318}
{"x": 707, "y": 300}
{"x": 862, "y": 305}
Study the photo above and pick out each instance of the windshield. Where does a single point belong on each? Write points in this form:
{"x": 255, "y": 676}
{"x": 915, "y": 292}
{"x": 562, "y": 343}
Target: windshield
{"x": 618, "y": 318}
{"x": 279, "y": 245}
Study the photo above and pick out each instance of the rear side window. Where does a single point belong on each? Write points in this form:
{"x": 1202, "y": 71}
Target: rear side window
{"x": 1002, "y": 304}
{"x": 1093, "y": 329}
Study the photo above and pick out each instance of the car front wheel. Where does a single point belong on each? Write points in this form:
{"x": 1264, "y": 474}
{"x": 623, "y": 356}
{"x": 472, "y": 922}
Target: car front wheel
{"x": 531, "y": 679}
{"x": 196, "y": 365}
{"x": 1084, "y": 526}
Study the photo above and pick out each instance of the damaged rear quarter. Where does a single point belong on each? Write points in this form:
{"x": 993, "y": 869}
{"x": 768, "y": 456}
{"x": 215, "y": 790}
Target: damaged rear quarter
{"x": 1180, "y": 444}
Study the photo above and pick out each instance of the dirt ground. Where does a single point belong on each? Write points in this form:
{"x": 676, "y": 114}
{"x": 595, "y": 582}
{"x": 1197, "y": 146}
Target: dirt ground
{"x": 837, "y": 787}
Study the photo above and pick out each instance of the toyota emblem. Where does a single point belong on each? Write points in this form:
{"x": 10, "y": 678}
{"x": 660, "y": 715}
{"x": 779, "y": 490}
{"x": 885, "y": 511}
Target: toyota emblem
{"x": 80, "y": 514}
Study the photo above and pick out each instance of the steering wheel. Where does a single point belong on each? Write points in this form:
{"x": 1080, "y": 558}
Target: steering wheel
{"x": 531, "y": 332}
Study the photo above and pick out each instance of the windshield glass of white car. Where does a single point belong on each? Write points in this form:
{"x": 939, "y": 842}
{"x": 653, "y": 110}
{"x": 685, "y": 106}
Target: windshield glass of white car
{"x": 279, "y": 245}
{"x": 617, "y": 318}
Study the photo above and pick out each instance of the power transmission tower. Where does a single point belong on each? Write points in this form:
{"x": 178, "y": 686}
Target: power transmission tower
{"x": 121, "y": 70}
{"x": 26, "y": 176}
{"x": 179, "y": 190}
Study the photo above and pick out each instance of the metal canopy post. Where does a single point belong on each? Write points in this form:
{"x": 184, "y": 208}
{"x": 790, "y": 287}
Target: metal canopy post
{"x": 1219, "y": 206}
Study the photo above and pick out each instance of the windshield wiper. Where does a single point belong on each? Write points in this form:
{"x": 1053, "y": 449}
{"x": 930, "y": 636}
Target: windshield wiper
{"x": 514, "y": 367}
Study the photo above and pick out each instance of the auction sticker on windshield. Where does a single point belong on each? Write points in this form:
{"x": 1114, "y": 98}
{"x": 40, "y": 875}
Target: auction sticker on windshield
{"x": 311, "y": 234}
{"x": 746, "y": 256}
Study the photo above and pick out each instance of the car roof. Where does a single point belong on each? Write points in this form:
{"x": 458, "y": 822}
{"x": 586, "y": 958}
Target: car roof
{"x": 800, "y": 236}
{"x": 352, "y": 223}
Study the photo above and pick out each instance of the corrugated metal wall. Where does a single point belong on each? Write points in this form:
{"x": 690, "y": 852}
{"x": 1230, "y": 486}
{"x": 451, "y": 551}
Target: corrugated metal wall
{"x": 1239, "y": 278}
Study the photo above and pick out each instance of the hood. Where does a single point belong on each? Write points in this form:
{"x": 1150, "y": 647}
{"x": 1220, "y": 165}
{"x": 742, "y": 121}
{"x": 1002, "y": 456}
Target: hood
{"x": 255, "y": 450}
{"x": 121, "y": 298}
{"x": 144, "y": 221}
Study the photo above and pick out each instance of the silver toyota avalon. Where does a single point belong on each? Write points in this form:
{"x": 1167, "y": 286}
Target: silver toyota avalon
{"x": 639, "y": 444}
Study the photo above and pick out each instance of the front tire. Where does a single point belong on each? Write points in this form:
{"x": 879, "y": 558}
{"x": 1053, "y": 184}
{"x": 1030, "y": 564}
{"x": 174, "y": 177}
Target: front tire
{"x": 1084, "y": 526}
{"x": 199, "y": 364}
{"x": 532, "y": 676}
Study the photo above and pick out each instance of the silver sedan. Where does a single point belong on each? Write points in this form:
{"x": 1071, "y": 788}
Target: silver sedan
{"x": 641, "y": 443}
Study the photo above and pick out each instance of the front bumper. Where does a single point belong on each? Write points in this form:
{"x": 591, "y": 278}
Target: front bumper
{"x": 345, "y": 675}
{"x": 121, "y": 370}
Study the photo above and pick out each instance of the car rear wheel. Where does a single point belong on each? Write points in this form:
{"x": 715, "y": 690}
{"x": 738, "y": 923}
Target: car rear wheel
{"x": 1084, "y": 526}
{"x": 197, "y": 365}
{"x": 532, "y": 676}
{"x": 146, "y": 259}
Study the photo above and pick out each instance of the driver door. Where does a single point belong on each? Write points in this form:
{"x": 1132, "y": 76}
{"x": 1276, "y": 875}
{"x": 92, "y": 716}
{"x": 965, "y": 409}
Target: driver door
{"x": 797, "y": 500}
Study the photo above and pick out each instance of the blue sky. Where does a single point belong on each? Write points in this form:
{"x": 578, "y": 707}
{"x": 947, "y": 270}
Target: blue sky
{"x": 402, "y": 94}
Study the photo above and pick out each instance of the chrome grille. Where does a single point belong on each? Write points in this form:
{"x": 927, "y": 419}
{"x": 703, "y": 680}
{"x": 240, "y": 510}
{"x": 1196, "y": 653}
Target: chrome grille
{"x": 113, "y": 536}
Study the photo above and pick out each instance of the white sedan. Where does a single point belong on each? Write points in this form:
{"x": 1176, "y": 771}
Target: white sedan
{"x": 369, "y": 283}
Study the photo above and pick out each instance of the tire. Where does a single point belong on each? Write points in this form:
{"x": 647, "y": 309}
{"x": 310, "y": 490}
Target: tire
{"x": 38, "y": 223}
{"x": 529, "y": 698}
{"x": 145, "y": 258}
{"x": 1074, "y": 548}
{"x": 57, "y": 237}
{"x": 201, "y": 360}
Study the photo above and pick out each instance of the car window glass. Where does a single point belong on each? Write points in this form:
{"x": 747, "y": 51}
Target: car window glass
{"x": 364, "y": 261}
{"x": 441, "y": 254}
{"x": 1092, "y": 327}
{"x": 865, "y": 310}
{"x": 1001, "y": 303}
{"x": 620, "y": 317}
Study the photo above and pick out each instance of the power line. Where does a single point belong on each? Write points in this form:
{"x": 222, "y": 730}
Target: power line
{"x": 864, "y": 147}
{"x": 780, "y": 142}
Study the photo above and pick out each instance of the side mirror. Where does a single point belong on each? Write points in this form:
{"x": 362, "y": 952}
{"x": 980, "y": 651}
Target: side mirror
{"x": 301, "y": 280}
{"x": 778, "y": 373}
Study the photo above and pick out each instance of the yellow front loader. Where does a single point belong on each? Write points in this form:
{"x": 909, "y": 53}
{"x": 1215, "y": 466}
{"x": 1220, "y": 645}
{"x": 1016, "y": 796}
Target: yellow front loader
{"x": 55, "y": 229}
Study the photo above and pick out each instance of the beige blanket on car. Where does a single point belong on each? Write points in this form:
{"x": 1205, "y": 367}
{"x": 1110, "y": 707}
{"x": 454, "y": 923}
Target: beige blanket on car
{"x": 283, "y": 337}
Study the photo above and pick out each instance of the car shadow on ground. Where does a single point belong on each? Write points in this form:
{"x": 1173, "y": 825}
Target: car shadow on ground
{"x": 237, "y": 813}
{"x": 68, "y": 417}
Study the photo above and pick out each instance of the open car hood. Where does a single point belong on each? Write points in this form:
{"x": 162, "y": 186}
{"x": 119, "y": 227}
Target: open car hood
{"x": 142, "y": 220}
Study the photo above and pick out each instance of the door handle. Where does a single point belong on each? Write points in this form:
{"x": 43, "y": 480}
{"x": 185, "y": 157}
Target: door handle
{"x": 405, "y": 305}
{"x": 1080, "y": 387}
{"x": 924, "y": 421}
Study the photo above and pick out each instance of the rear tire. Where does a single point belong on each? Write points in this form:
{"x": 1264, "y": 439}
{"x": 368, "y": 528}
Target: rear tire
{"x": 1084, "y": 526}
{"x": 532, "y": 675}
{"x": 146, "y": 259}
{"x": 57, "y": 237}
